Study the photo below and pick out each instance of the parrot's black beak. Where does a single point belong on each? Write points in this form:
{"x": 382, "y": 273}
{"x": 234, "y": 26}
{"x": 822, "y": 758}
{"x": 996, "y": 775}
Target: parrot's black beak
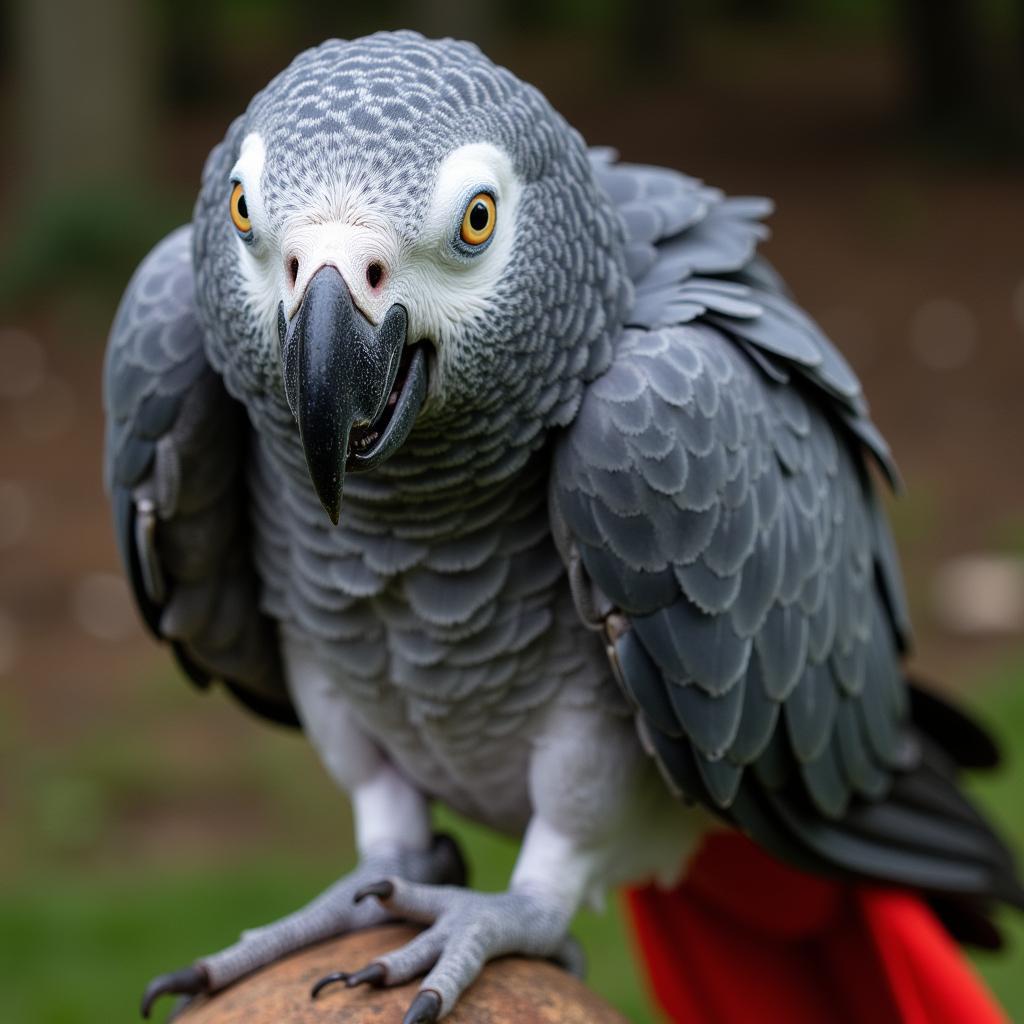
{"x": 354, "y": 389}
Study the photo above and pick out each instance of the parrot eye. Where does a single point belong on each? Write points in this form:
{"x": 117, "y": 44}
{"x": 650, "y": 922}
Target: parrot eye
{"x": 239, "y": 210}
{"x": 479, "y": 219}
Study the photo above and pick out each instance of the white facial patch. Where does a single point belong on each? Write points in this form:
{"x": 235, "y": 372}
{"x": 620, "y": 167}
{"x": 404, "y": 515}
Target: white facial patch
{"x": 364, "y": 248}
{"x": 448, "y": 288}
{"x": 443, "y": 285}
{"x": 261, "y": 274}
{"x": 248, "y": 170}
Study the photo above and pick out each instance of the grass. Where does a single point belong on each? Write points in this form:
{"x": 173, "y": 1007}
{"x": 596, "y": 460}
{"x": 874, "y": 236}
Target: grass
{"x": 1002, "y": 708}
{"x": 96, "y": 900}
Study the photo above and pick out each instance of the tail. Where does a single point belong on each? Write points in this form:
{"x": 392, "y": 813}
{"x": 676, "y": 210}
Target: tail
{"x": 747, "y": 938}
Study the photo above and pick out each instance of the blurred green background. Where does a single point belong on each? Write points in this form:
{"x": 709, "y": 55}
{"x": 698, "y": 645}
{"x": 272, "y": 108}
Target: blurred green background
{"x": 141, "y": 824}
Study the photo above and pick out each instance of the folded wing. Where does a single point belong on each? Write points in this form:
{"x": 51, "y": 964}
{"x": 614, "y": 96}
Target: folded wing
{"x": 175, "y": 467}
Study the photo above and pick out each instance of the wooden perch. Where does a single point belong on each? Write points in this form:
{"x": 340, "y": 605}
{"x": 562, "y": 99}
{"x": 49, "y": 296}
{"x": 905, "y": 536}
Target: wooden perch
{"x": 510, "y": 991}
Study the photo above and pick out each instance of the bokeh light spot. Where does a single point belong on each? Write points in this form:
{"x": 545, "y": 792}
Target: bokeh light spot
{"x": 944, "y": 334}
{"x": 981, "y": 594}
{"x": 15, "y": 513}
{"x": 102, "y": 606}
{"x": 23, "y": 362}
{"x": 49, "y": 412}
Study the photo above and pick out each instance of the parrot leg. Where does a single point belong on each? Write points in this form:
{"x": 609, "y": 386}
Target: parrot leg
{"x": 393, "y": 836}
{"x": 334, "y": 911}
{"x": 601, "y": 815}
{"x": 467, "y": 929}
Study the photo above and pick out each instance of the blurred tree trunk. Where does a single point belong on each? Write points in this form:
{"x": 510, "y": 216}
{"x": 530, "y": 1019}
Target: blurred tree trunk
{"x": 944, "y": 39}
{"x": 966, "y": 78}
{"x": 652, "y": 41}
{"x": 1019, "y": 48}
{"x": 474, "y": 20}
{"x": 761, "y": 10}
{"x": 86, "y": 101}
{"x": 190, "y": 69}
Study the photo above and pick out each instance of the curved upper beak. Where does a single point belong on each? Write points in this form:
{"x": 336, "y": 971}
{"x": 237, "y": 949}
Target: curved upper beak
{"x": 339, "y": 371}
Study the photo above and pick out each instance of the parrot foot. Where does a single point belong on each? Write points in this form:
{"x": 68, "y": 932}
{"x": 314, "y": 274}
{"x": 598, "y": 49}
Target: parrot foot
{"x": 467, "y": 929}
{"x": 189, "y": 981}
{"x": 341, "y": 908}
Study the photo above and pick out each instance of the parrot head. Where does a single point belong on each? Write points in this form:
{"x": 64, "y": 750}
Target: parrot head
{"x": 400, "y": 238}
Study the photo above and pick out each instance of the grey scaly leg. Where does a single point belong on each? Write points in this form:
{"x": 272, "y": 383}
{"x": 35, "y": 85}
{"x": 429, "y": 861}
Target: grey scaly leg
{"x": 467, "y": 928}
{"x": 392, "y": 823}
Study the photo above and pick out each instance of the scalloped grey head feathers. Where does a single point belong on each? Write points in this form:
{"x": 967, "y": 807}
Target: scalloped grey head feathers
{"x": 377, "y": 116}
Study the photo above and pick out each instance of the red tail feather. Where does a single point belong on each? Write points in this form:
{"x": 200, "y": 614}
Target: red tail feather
{"x": 745, "y": 938}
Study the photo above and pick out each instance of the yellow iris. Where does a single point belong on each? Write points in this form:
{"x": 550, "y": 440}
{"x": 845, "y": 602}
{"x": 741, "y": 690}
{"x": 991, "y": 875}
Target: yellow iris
{"x": 239, "y": 210}
{"x": 479, "y": 219}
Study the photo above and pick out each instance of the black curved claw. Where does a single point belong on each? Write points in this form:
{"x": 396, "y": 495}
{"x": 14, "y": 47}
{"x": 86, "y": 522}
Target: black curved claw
{"x": 188, "y": 981}
{"x": 383, "y": 890}
{"x": 425, "y": 1009}
{"x": 571, "y": 958}
{"x": 334, "y": 978}
{"x": 449, "y": 856}
{"x": 374, "y": 975}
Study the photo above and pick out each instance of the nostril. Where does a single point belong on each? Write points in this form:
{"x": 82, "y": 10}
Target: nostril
{"x": 293, "y": 270}
{"x": 374, "y": 274}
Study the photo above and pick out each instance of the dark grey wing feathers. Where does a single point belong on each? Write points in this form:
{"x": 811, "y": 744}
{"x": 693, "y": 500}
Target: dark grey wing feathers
{"x": 175, "y": 460}
{"x": 713, "y": 487}
{"x": 703, "y": 265}
{"x": 743, "y": 570}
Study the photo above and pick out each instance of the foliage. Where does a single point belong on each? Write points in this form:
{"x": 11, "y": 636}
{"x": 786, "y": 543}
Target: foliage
{"x": 83, "y": 236}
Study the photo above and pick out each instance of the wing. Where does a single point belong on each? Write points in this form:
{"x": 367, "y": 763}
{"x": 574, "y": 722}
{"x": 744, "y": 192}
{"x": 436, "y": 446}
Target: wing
{"x": 174, "y": 467}
{"x": 713, "y": 506}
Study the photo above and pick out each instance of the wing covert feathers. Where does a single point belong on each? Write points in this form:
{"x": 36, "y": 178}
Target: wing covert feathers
{"x": 714, "y": 489}
{"x": 174, "y": 464}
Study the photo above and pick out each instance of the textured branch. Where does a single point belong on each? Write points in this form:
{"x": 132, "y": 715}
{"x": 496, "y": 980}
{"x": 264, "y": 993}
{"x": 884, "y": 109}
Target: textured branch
{"x": 510, "y": 991}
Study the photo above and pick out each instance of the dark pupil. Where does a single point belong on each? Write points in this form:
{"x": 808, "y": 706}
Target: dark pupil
{"x": 243, "y": 210}
{"x": 478, "y": 217}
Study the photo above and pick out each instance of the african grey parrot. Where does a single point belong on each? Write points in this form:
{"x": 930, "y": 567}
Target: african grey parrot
{"x": 516, "y": 477}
